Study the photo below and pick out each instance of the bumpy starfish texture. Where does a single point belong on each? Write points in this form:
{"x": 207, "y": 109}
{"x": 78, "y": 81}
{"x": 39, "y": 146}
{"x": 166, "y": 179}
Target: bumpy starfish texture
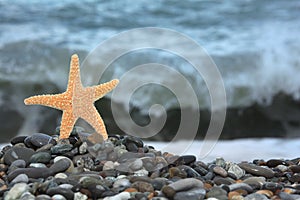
{"x": 76, "y": 102}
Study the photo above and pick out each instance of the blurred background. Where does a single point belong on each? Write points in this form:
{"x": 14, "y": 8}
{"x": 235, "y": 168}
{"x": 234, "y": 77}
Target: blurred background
{"x": 255, "y": 44}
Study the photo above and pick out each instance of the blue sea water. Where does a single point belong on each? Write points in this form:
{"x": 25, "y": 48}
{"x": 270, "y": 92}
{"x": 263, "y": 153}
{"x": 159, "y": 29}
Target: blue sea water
{"x": 255, "y": 44}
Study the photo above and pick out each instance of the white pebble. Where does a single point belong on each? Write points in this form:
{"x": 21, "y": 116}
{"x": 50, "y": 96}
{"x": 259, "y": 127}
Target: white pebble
{"x": 121, "y": 196}
{"x": 141, "y": 172}
{"x": 61, "y": 175}
{"x": 16, "y": 191}
{"x": 108, "y": 165}
{"x": 80, "y": 196}
{"x": 58, "y": 197}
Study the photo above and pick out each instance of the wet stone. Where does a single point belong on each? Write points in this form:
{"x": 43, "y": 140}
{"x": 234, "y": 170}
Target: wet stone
{"x": 217, "y": 192}
{"x": 257, "y": 170}
{"x": 220, "y": 171}
{"x": 193, "y": 194}
{"x": 18, "y": 139}
{"x": 16, "y": 153}
{"x": 40, "y": 157}
{"x": 185, "y": 160}
{"x": 40, "y": 139}
{"x": 255, "y": 182}
{"x": 256, "y": 196}
{"x": 241, "y": 186}
{"x": 61, "y": 148}
{"x": 275, "y": 162}
{"x": 67, "y": 193}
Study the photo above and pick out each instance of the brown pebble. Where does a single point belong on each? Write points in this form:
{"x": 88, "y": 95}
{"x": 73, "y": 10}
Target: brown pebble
{"x": 130, "y": 190}
{"x": 232, "y": 195}
{"x": 220, "y": 171}
{"x": 267, "y": 193}
{"x": 168, "y": 191}
{"x": 142, "y": 186}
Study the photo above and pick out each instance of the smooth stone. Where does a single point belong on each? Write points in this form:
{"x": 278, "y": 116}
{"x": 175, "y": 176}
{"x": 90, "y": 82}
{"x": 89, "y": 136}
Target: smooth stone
{"x": 217, "y": 192}
{"x": 61, "y": 175}
{"x": 80, "y": 196}
{"x": 122, "y": 184}
{"x": 71, "y": 166}
{"x": 137, "y": 164}
{"x": 255, "y": 182}
{"x": 18, "y": 139}
{"x": 241, "y": 186}
{"x": 21, "y": 178}
{"x": 131, "y": 139}
{"x": 43, "y": 197}
{"x": 40, "y": 157}
{"x": 286, "y": 196}
{"x": 108, "y": 165}
{"x": 40, "y": 139}
{"x": 67, "y": 193}
{"x": 295, "y": 168}
{"x": 190, "y": 172}
{"x": 275, "y": 162}
{"x": 16, "y": 164}
{"x": 257, "y": 170}
{"x": 27, "y": 196}
{"x": 66, "y": 186}
{"x": 121, "y": 196}
{"x": 58, "y": 197}
{"x": 272, "y": 186}
{"x": 61, "y": 148}
{"x": 16, "y": 153}
{"x": 158, "y": 183}
{"x": 256, "y": 196}
{"x": 16, "y": 191}
{"x": 142, "y": 186}
{"x": 220, "y": 171}
{"x": 88, "y": 181}
{"x": 193, "y": 194}
{"x": 185, "y": 160}
{"x": 201, "y": 170}
{"x": 282, "y": 168}
{"x": 186, "y": 184}
{"x": 235, "y": 171}
{"x": 220, "y": 180}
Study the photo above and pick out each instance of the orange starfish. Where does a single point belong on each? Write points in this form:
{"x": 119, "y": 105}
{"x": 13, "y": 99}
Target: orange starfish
{"x": 76, "y": 102}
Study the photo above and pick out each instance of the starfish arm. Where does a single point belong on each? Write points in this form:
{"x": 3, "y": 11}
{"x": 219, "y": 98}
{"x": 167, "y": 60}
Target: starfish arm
{"x": 67, "y": 123}
{"x": 94, "y": 119}
{"x": 74, "y": 74}
{"x": 54, "y": 101}
{"x": 102, "y": 89}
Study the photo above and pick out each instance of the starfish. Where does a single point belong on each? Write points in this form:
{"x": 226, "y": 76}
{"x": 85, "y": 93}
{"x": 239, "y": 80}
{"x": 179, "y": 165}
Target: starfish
{"x": 76, "y": 102}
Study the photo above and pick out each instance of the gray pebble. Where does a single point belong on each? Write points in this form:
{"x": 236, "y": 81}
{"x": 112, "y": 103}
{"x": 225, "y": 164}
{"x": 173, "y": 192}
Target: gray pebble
{"x": 16, "y": 191}
{"x": 256, "y": 196}
{"x": 27, "y": 196}
{"x": 217, "y": 192}
{"x": 193, "y": 194}
{"x": 257, "y": 170}
{"x": 21, "y": 178}
{"x": 40, "y": 157}
{"x": 243, "y": 186}
{"x": 16, "y": 153}
{"x": 40, "y": 139}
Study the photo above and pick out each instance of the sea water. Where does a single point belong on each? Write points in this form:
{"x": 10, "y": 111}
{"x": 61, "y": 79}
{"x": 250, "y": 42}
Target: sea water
{"x": 255, "y": 45}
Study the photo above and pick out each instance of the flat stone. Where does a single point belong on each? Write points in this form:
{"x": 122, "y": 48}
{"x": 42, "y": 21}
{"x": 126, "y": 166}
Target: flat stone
{"x": 40, "y": 157}
{"x": 256, "y": 196}
{"x": 220, "y": 171}
{"x": 21, "y": 178}
{"x": 27, "y": 196}
{"x": 16, "y": 153}
{"x": 193, "y": 194}
{"x": 40, "y": 139}
{"x": 217, "y": 192}
{"x": 121, "y": 196}
{"x": 16, "y": 191}
{"x": 257, "y": 170}
{"x": 67, "y": 193}
{"x": 241, "y": 186}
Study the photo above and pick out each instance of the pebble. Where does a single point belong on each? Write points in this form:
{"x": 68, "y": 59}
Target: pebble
{"x": 121, "y": 196}
{"x": 16, "y": 191}
{"x": 257, "y": 170}
{"x": 16, "y": 153}
{"x": 193, "y": 194}
{"x": 21, "y": 178}
{"x": 124, "y": 168}
{"x": 40, "y": 157}
{"x": 40, "y": 139}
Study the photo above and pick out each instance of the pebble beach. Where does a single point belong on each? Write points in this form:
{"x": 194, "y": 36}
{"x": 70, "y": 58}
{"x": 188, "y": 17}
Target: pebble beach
{"x": 40, "y": 166}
